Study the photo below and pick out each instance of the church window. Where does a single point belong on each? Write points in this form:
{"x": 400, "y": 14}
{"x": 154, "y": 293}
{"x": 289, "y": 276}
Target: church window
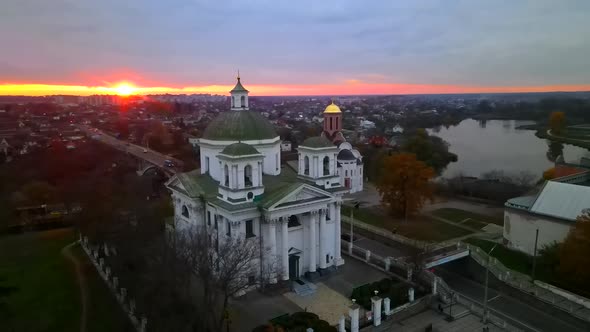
{"x": 327, "y": 258}
{"x": 206, "y": 164}
{"x": 248, "y": 176}
{"x": 293, "y": 221}
{"x": 228, "y": 233}
{"x": 328, "y": 213}
{"x": 226, "y": 173}
{"x": 249, "y": 228}
{"x": 326, "y": 165}
{"x": 233, "y": 101}
{"x": 243, "y": 101}
{"x": 250, "y": 195}
{"x": 306, "y": 165}
{"x": 208, "y": 218}
{"x": 346, "y": 173}
{"x": 184, "y": 211}
{"x": 331, "y": 123}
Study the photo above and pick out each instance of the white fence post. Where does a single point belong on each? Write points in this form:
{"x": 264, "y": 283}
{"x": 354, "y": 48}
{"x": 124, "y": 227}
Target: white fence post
{"x": 387, "y": 306}
{"x": 376, "y": 306}
{"x": 342, "y": 324}
{"x": 143, "y": 324}
{"x": 411, "y": 294}
{"x": 434, "y": 285}
{"x": 353, "y": 312}
{"x": 367, "y": 255}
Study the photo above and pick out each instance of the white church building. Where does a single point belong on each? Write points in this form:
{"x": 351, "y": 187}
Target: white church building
{"x": 242, "y": 190}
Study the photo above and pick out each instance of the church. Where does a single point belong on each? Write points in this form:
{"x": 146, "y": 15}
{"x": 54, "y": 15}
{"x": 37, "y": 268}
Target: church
{"x": 243, "y": 190}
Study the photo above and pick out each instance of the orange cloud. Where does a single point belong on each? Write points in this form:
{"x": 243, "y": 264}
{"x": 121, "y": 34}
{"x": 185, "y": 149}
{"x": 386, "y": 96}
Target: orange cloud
{"x": 350, "y": 87}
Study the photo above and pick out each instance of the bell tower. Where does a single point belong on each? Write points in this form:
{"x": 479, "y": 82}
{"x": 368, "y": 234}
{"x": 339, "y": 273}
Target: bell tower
{"x": 239, "y": 97}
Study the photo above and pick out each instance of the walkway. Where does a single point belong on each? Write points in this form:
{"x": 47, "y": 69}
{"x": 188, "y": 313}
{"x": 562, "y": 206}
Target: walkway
{"x": 67, "y": 252}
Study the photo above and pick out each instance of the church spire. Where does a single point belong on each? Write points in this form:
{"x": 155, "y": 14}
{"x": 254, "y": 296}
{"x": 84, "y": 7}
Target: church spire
{"x": 239, "y": 96}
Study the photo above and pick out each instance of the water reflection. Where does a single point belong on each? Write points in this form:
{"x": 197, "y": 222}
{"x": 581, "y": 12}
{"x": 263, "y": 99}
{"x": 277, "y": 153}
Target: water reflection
{"x": 499, "y": 146}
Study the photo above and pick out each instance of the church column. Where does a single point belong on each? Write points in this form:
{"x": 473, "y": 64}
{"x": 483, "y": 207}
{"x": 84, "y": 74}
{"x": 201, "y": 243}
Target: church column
{"x": 301, "y": 165}
{"x": 312, "y": 240}
{"x": 285, "y": 251}
{"x": 322, "y": 238}
{"x": 272, "y": 241}
{"x": 337, "y": 255}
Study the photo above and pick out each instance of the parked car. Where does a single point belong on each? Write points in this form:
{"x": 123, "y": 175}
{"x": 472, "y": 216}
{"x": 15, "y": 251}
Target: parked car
{"x": 168, "y": 163}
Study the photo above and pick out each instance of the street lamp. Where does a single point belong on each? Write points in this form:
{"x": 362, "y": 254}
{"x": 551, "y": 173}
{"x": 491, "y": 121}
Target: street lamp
{"x": 485, "y": 294}
{"x": 350, "y": 244}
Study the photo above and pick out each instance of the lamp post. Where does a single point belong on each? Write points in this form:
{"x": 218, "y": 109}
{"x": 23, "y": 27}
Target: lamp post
{"x": 535, "y": 255}
{"x": 485, "y": 294}
{"x": 350, "y": 244}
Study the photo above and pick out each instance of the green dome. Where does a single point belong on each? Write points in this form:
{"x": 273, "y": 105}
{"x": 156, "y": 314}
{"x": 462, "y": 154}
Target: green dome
{"x": 239, "y": 126}
{"x": 239, "y": 149}
{"x": 317, "y": 142}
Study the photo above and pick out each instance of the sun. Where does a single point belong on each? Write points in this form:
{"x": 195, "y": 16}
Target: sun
{"x": 124, "y": 89}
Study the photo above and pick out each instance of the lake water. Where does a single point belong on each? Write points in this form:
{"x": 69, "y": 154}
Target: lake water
{"x": 498, "y": 145}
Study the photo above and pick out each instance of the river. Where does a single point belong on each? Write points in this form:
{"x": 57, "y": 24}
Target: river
{"x": 498, "y": 145}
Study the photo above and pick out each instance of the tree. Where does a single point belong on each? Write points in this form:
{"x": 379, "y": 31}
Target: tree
{"x": 574, "y": 259}
{"x": 557, "y": 122}
{"x": 555, "y": 149}
{"x": 225, "y": 266}
{"x": 549, "y": 174}
{"x": 39, "y": 192}
{"x": 405, "y": 184}
{"x": 432, "y": 150}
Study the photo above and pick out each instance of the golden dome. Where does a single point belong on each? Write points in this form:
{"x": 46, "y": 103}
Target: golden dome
{"x": 332, "y": 108}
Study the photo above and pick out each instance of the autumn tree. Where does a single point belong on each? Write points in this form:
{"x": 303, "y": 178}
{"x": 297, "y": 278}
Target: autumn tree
{"x": 430, "y": 149}
{"x": 557, "y": 122}
{"x": 404, "y": 184}
{"x": 549, "y": 174}
{"x": 574, "y": 259}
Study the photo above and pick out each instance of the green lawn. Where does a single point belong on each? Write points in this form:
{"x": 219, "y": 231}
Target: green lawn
{"x": 46, "y": 292}
{"x": 474, "y": 224}
{"x": 458, "y": 215}
{"x": 512, "y": 259}
{"x": 420, "y": 228}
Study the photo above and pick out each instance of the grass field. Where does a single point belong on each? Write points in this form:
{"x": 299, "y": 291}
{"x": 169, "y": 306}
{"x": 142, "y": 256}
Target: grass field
{"x": 420, "y": 228}
{"x": 46, "y": 294}
{"x": 457, "y": 215}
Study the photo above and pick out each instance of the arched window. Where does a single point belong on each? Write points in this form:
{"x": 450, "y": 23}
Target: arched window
{"x": 331, "y": 123}
{"x": 233, "y": 101}
{"x": 248, "y": 176}
{"x": 243, "y": 101}
{"x": 346, "y": 173}
{"x": 293, "y": 221}
{"x": 226, "y": 174}
{"x": 306, "y": 165}
{"x": 326, "y": 165}
{"x": 184, "y": 211}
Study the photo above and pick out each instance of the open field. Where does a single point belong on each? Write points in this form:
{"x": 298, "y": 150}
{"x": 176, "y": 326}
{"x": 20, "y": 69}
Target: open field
{"x": 44, "y": 293}
{"x": 421, "y": 227}
{"x": 467, "y": 218}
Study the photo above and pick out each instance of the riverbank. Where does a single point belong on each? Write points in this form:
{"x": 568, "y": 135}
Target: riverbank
{"x": 545, "y": 134}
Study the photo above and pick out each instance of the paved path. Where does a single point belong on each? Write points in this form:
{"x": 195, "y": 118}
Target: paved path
{"x": 67, "y": 252}
{"x": 507, "y": 304}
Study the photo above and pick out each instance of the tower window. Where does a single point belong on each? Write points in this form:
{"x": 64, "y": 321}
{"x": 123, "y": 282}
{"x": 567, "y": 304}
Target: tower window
{"x": 228, "y": 233}
{"x": 250, "y": 229}
{"x": 248, "y": 176}
{"x": 331, "y": 123}
{"x": 243, "y": 101}
{"x": 208, "y": 218}
{"x": 184, "y": 211}
{"x": 306, "y": 165}
{"x": 226, "y": 173}
{"x": 326, "y": 165}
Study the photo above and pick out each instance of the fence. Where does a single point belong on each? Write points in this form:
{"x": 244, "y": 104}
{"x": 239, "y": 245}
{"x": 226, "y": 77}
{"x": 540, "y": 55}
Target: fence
{"x": 523, "y": 283}
{"x": 96, "y": 256}
{"x": 396, "y": 267}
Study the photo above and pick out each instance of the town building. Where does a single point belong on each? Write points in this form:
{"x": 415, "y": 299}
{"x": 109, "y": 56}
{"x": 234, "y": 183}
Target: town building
{"x": 552, "y": 211}
{"x": 350, "y": 161}
{"x": 243, "y": 190}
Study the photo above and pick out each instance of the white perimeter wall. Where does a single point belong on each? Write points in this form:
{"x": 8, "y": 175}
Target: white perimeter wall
{"x": 520, "y": 228}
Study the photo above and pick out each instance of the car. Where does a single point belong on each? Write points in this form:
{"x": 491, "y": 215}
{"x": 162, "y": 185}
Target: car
{"x": 144, "y": 150}
{"x": 168, "y": 163}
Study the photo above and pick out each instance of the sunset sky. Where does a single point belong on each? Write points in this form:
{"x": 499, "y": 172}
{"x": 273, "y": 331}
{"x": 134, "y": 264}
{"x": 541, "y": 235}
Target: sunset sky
{"x": 299, "y": 47}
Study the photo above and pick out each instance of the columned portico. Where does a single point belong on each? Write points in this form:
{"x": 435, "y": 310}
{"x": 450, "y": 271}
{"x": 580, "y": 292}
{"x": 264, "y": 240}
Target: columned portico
{"x": 285, "y": 250}
{"x": 338, "y": 255}
{"x": 272, "y": 239}
{"x": 323, "y": 238}
{"x": 312, "y": 241}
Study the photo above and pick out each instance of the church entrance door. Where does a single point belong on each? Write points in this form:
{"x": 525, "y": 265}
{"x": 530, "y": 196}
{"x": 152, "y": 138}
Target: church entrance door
{"x": 293, "y": 267}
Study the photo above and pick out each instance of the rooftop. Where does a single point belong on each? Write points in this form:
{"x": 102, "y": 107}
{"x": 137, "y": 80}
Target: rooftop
{"x": 240, "y": 149}
{"x": 317, "y": 142}
{"x": 239, "y": 126}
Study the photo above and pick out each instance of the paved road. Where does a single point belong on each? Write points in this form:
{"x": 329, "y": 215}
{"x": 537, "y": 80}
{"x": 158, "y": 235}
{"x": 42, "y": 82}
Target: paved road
{"x": 472, "y": 289}
{"x": 151, "y": 156}
{"x": 506, "y": 304}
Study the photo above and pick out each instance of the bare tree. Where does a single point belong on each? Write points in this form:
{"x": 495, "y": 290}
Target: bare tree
{"x": 225, "y": 266}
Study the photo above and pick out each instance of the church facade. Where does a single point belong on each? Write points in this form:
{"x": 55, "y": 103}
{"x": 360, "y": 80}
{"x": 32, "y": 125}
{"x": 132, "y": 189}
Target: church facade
{"x": 243, "y": 190}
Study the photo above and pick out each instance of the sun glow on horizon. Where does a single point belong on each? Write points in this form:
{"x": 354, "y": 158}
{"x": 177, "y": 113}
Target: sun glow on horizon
{"x": 124, "y": 89}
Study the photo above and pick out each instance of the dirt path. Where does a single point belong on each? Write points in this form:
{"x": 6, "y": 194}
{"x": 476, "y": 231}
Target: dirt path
{"x": 67, "y": 252}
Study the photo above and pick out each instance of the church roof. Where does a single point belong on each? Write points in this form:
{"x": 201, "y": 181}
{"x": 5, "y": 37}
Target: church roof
{"x": 332, "y": 108}
{"x": 317, "y": 142}
{"x": 239, "y": 149}
{"x": 345, "y": 155}
{"x": 275, "y": 188}
{"x": 239, "y": 87}
{"x": 239, "y": 126}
